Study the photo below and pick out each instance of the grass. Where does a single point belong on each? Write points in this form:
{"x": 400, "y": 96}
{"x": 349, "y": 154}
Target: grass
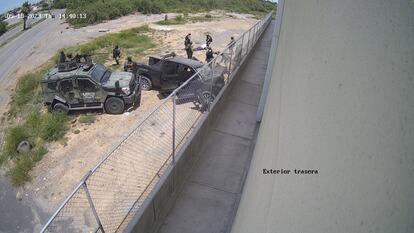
{"x": 28, "y": 93}
{"x": 179, "y": 19}
{"x": 132, "y": 43}
{"x": 28, "y": 119}
{"x": 20, "y": 173}
{"x": 183, "y": 19}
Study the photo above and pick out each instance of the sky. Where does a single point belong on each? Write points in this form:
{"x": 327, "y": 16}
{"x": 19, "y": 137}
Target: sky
{"x": 6, "y": 5}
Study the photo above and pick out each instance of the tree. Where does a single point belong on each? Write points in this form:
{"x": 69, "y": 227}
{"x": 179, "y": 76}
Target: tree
{"x": 3, "y": 27}
{"x": 25, "y": 10}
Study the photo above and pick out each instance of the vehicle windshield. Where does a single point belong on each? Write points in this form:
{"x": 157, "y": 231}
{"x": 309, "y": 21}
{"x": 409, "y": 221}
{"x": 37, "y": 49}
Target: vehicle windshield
{"x": 100, "y": 73}
{"x": 204, "y": 72}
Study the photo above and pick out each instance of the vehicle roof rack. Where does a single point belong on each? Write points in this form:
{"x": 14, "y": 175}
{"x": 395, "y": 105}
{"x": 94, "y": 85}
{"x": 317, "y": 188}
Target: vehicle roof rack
{"x": 67, "y": 66}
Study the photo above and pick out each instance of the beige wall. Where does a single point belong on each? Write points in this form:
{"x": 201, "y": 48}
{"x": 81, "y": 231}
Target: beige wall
{"x": 341, "y": 101}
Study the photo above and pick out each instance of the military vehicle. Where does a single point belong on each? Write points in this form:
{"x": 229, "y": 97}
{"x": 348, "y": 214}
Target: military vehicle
{"x": 80, "y": 86}
{"x": 167, "y": 73}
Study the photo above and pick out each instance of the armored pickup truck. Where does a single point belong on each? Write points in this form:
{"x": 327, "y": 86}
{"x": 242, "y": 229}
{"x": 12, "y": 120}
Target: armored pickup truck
{"x": 75, "y": 86}
{"x": 168, "y": 73}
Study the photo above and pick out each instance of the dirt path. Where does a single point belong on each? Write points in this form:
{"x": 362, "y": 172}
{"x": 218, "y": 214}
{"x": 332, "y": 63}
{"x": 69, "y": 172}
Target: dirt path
{"x": 64, "y": 166}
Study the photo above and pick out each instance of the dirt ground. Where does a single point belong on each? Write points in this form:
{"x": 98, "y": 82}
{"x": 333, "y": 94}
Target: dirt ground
{"x": 67, "y": 162}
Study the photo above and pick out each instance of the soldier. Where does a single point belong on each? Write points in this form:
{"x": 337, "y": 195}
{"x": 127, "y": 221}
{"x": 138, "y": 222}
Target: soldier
{"x": 62, "y": 57}
{"x": 116, "y": 54}
{"x": 209, "y": 40}
{"x": 130, "y": 66}
{"x": 210, "y": 54}
{"x": 77, "y": 58}
{"x": 188, "y": 46}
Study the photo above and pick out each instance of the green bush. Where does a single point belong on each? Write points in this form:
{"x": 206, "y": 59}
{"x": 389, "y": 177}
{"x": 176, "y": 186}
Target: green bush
{"x": 26, "y": 88}
{"x": 3, "y": 27}
{"x": 28, "y": 92}
{"x": 19, "y": 173}
{"x": 14, "y": 136}
{"x": 53, "y": 126}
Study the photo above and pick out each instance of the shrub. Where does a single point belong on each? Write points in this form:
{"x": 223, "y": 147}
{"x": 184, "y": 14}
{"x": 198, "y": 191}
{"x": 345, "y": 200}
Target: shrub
{"x": 53, "y": 126}
{"x": 28, "y": 91}
{"x": 26, "y": 88}
{"x": 14, "y": 136}
{"x": 3, "y": 27}
{"x": 19, "y": 173}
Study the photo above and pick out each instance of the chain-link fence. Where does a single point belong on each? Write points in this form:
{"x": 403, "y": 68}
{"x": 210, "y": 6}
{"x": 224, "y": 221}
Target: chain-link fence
{"x": 111, "y": 193}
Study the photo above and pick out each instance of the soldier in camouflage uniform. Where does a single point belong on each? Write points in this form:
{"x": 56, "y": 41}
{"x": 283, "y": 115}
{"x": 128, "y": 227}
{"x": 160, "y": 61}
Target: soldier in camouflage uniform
{"x": 116, "y": 54}
{"x": 188, "y": 46}
{"x": 209, "y": 40}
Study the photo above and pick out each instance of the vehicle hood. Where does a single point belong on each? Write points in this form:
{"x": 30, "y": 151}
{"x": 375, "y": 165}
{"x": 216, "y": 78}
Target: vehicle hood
{"x": 124, "y": 78}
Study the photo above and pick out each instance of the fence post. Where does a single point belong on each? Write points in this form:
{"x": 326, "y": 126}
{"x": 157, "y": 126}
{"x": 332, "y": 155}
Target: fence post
{"x": 248, "y": 42}
{"x": 95, "y": 213}
{"x": 173, "y": 127}
{"x": 242, "y": 45}
{"x": 254, "y": 35}
{"x": 211, "y": 85}
{"x": 231, "y": 56}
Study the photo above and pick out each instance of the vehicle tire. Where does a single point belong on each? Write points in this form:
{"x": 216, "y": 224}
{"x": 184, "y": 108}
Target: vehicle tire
{"x": 60, "y": 108}
{"x": 206, "y": 97}
{"x": 114, "y": 105}
{"x": 146, "y": 83}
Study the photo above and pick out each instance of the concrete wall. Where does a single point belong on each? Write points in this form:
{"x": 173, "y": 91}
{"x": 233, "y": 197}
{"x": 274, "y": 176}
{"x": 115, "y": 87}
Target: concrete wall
{"x": 341, "y": 101}
{"x": 155, "y": 208}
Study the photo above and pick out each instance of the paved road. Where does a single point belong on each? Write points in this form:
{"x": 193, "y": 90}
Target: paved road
{"x": 13, "y": 52}
{"x": 9, "y": 34}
